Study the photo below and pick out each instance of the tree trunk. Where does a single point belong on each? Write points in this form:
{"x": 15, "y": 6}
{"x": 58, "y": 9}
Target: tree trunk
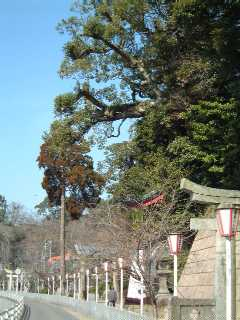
{"x": 62, "y": 241}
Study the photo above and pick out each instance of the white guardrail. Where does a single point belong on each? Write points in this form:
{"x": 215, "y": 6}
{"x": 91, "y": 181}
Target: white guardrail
{"x": 16, "y": 311}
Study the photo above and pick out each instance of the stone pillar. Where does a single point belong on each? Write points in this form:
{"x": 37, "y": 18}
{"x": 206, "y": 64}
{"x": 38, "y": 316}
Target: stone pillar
{"x": 163, "y": 295}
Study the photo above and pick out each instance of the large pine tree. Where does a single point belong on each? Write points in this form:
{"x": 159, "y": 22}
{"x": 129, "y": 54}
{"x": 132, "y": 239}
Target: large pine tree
{"x": 171, "y": 65}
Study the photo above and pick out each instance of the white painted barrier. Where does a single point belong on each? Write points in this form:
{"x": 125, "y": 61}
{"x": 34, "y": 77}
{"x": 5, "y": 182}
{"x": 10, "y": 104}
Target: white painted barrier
{"x": 90, "y": 309}
{"x": 16, "y": 311}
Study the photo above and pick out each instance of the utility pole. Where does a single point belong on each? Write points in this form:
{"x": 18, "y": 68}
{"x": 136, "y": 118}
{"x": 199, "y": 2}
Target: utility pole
{"x": 62, "y": 241}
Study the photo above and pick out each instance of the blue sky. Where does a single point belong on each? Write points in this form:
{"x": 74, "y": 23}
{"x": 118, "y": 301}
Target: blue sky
{"x": 31, "y": 52}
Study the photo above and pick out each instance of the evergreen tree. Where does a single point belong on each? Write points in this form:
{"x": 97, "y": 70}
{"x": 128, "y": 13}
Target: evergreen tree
{"x": 171, "y": 65}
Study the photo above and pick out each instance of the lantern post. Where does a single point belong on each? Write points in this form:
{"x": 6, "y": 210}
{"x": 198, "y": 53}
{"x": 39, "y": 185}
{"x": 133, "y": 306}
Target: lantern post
{"x": 53, "y": 284}
{"x": 48, "y": 284}
{"x": 96, "y": 288}
{"x": 141, "y": 269}
{"x": 105, "y": 265}
{"x": 87, "y": 285}
{"x": 60, "y": 284}
{"x": 67, "y": 284}
{"x": 175, "y": 247}
{"x": 38, "y": 286}
{"x": 228, "y": 221}
{"x": 79, "y": 285}
{"x": 74, "y": 286}
{"x": 120, "y": 263}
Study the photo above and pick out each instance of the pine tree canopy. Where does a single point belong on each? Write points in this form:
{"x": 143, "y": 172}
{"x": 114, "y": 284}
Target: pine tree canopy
{"x": 173, "y": 66}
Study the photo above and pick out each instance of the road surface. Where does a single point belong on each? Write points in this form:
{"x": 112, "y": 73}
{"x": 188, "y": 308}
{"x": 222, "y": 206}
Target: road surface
{"x": 39, "y": 310}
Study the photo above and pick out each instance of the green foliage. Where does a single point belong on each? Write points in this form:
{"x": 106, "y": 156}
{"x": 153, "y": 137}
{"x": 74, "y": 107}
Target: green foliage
{"x": 174, "y": 52}
{"x": 173, "y": 66}
{"x": 65, "y": 103}
{"x": 132, "y": 174}
{"x": 210, "y": 148}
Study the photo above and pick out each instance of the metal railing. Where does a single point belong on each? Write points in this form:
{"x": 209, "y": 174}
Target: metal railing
{"x": 16, "y": 311}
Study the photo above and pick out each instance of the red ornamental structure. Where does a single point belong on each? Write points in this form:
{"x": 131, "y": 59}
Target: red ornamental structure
{"x": 175, "y": 243}
{"x": 149, "y": 200}
{"x": 228, "y": 221}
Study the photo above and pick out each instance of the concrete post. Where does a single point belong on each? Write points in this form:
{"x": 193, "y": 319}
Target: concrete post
{"x": 74, "y": 285}
{"x": 175, "y": 289}
{"x": 79, "y": 285}
{"x": 96, "y": 287}
{"x": 48, "y": 285}
{"x": 10, "y": 282}
{"x": 121, "y": 288}
{"x": 60, "y": 283}
{"x": 229, "y": 284}
{"x": 87, "y": 284}
{"x": 106, "y": 288}
{"x": 21, "y": 282}
{"x": 142, "y": 296}
{"x": 67, "y": 285}
{"x": 16, "y": 288}
{"x": 53, "y": 285}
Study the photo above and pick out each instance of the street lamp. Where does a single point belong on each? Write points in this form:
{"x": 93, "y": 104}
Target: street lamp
{"x": 175, "y": 246}
{"x": 105, "y": 266}
{"x": 228, "y": 220}
{"x": 120, "y": 263}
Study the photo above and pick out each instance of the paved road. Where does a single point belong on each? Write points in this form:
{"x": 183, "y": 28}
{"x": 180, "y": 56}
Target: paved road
{"x": 44, "y": 311}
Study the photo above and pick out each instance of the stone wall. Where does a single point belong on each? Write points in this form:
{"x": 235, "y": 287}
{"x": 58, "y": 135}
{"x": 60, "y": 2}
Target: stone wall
{"x": 188, "y": 309}
{"x": 197, "y": 278}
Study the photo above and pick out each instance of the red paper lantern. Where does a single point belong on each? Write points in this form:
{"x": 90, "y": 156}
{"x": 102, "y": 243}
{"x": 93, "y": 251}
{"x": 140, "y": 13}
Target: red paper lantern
{"x": 175, "y": 243}
{"x": 228, "y": 220}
